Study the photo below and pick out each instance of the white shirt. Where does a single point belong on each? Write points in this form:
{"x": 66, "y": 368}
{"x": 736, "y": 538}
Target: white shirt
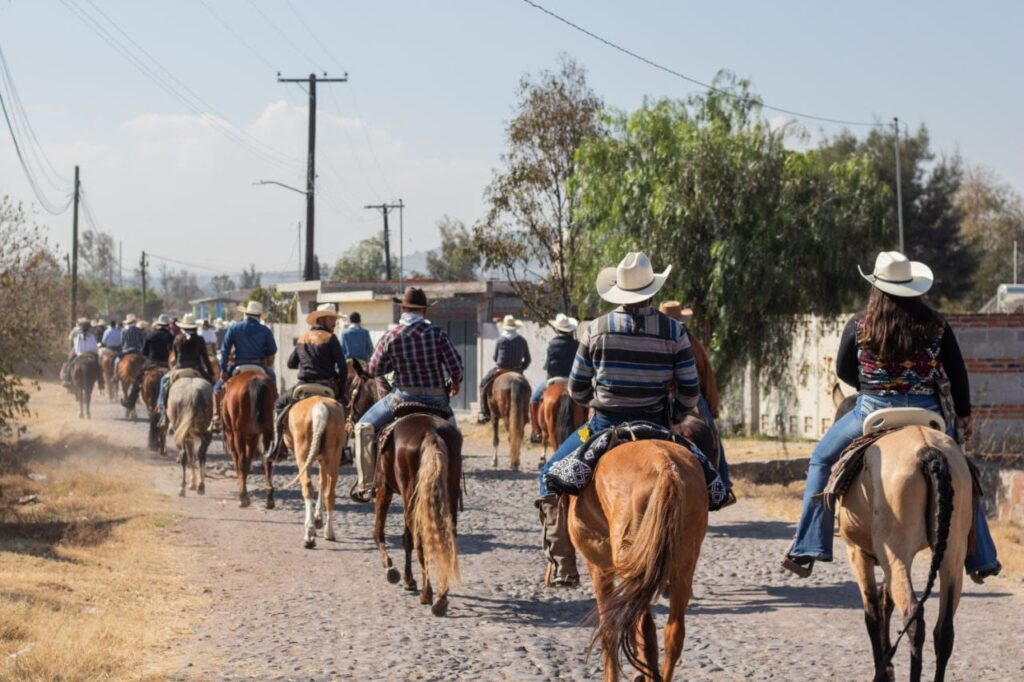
{"x": 408, "y": 318}
{"x": 84, "y": 342}
{"x": 210, "y": 335}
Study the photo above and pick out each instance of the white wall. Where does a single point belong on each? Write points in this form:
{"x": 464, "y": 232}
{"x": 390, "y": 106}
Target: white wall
{"x": 285, "y": 336}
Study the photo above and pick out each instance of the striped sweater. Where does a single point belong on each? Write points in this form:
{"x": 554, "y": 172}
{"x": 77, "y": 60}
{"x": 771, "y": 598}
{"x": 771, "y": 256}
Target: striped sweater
{"x": 628, "y": 361}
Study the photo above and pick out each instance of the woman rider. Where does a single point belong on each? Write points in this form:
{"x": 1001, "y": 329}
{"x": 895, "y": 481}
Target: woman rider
{"x": 893, "y": 353}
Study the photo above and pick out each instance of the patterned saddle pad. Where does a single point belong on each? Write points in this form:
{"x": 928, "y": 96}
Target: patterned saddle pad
{"x": 573, "y": 473}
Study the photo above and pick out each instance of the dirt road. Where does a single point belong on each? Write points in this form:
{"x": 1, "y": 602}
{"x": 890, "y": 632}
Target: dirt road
{"x": 282, "y": 612}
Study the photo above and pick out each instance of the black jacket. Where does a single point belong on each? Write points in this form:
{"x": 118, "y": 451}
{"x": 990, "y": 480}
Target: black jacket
{"x": 561, "y": 354}
{"x": 319, "y": 357}
{"x": 190, "y": 352}
{"x": 157, "y": 346}
{"x": 512, "y": 353}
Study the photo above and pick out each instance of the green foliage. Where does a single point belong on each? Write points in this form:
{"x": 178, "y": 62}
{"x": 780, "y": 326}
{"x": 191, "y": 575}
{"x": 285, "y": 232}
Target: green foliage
{"x": 179, "y": 287}
{"x": 458, "y": 258}
{"x": 364, "y": 262}
{"x": 992, "y": 220}
{"x": 221, "y": 283}
{"x": 249, "y": 279}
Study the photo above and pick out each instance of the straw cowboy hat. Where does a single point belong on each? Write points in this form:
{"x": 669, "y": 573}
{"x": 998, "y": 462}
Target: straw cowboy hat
{"x": 564, "y": 323}
{"x": 161, "y": 321}
{"x": 130, "y": 318}
{"x": 509, "y": 324}
{"x": 189, "y": 322}
{"x": 84, "y": 321}
{"x": 633, "y": 281}
{"x": 676, "y": 311}
{"x": 143, "y": 324}
{"x": 895, "y": 274}
{"x": 323, "y": 310}
{"x": 219, "y": 323}
{"x": 254, "y": 308}
{"x": 413, "y": 298}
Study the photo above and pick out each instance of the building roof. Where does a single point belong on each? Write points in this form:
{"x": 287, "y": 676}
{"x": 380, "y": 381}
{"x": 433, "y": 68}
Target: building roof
{"x": 338, "y": 291}
{"x": 236, "y": 296}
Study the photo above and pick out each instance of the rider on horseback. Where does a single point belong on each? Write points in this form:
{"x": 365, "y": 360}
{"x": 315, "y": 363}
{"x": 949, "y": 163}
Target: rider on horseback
{"x": 319, "y": 357}
{"x": 511, "y": 354}
{"x": 624, "y": 368}
{"x": 427, "y": 370}
{"x": 112, "y": 338}
{"x": 558, "y": 364}
{"x": 82, "y": 341}
{"x": 156, "y": 349}
{"x": 252, "y": 343}
{"x": 189, "y": 353}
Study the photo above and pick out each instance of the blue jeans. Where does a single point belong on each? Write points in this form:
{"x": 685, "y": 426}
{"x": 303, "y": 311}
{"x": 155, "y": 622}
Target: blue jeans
{"x": 723, "y": 466}
{"x": 383, "y": 411}
{"x": 538, "y": 392}
{"x": 161, "y": 397}
{"x": 814, "y": 530}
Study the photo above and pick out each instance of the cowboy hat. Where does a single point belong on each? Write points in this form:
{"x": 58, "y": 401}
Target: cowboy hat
{"x": 161, "y": 321}
{"x": 633, "y": 281}
{"x": 895, "y": 274}
{"x": 676, "y": 311}
{"x": 254, "y": 308}
{"x": 413, "y": 298}
{"x": 218, "y": 323}
{"x": 143, "y": 324}
{"x": 564, "y": 323}
{"x": 509, "y": 324}
{"x": 323, "y": 310}
{"x": 130, "y": 318}
{"x": 84, "y": 321}
{"x": 189, "y": 322}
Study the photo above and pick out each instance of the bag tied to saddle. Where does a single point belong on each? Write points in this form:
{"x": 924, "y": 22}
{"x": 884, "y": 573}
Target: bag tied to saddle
{"x": 573, "y": 473}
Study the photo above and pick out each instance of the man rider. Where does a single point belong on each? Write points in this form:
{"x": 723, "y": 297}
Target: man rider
{"x": 112, "y": 338}
{"x": 156, "y": 349}
{"x": 253, "y": 344}
{"x": 189, "y": 353}
{"x": 319, "y": 357}
{"x": 558, "y": 364}
{"x": 659, "y": 356}
{"x": 511, "y": 353}
{"x": 427, "y": 370}
{"x": 82, "y": 341}
{"x": 356, "y": 341}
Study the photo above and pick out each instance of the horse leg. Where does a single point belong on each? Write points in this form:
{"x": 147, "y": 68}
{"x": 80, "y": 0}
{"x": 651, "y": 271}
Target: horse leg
{"x": 494, "y": 434}
{"x": 647, "y": 645}
{"x": 268, "y": 475}
{"x": 204, "y": 445}
{"x": 307, "y": 497}
{"x": 331, "y": 474}
{"x": 318, "y": 516}
{"x": 604, "y": 582}
{"x": 184, "y": 469}
{"x": 897, "y": 575}
{"x": 88, "y": 402}
{"x": 381, "y": 505}
{"x": 244, "y": 464}
{"x": 951, "y": 578}
{"x": 408, "y": 580}
{"x": 427, "y": 596}
{"x": 863, "y": 567}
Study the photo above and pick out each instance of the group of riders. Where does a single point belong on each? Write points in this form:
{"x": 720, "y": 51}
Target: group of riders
{"x": 636, "y": 363}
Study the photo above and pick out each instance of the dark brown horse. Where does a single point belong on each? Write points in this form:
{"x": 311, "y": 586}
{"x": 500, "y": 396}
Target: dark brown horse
{"x": 510, "y": 403}
{"x": 363, "y": 390}
{"x": 559, "y": 416}
{"x": 127, "y": 369}
{"x": 107, "y": 360}
{"x": 85, "y": 373}
{"x": 248, "y": 416}
{"x": 150, "y": 391}
{"x": 422, "y": 461}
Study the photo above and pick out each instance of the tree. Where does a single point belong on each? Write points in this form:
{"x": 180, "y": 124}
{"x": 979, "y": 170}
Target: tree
{"x": 992, "y": 221}
{"x": 98, "y": 253}
{"x": 221, "y": 283}
{"x": 531, "y": 232}
{"x": 277, "y": 306}
{"x": 757, "y": 235}
{"x": 179, "y": 287}
{"x": 249, "y": 279}
{"x": 458, "y": 257}
{"x": 363, "y": 262}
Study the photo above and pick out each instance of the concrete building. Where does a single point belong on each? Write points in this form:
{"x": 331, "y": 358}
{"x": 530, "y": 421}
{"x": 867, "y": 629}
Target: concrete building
{"x": 223, "y": 305}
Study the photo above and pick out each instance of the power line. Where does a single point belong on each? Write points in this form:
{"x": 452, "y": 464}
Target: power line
{"x": 239, "y": 38}
{"x": 690, "y": 79}
{"x": 280, "y": 32}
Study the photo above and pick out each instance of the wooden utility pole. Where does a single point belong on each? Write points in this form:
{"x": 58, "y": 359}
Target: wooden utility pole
{"x": 385, "y": 209}
{"x": 74, "y": 255}
{"x": 309, "y": 272}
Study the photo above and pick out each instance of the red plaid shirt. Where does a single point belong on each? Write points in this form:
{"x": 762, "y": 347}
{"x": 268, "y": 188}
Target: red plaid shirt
{"x": 420, "y": 355}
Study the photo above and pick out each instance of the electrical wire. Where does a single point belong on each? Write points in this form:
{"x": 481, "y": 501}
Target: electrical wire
{"x": 239, "y": 38}
{"x": 689, "y": 79}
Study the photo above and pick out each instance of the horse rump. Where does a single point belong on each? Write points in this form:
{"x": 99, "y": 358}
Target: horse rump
{"x": 565, "y": 414}
{"x": 432, "y": 514}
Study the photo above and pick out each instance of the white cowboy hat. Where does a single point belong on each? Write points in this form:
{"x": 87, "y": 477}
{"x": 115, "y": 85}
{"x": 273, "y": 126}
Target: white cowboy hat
{"x": 564, "y": 323}
{"x": 161, "y": 321}
{"x": 218, "y": 323}
{"x": 676, "y": 311}
{"x": 143, "y": 324}
{"x": 895, "y": 274}
{"x": 323, "y": 310}
{"x": 188, "y": 321}
{"x": 130, "y": 318}
{"x": 252, "y": 308}
{"x": 84, "y": 320}
{"x": 633, "y": 281}
{"x": 510, "y": 324}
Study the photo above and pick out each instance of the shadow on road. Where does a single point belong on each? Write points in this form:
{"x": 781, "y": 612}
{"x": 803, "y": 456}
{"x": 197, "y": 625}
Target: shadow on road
{"x": 526, "y": 612}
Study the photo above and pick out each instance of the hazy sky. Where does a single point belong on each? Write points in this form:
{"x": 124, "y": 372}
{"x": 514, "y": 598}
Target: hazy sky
{"x": 431, "y": 86}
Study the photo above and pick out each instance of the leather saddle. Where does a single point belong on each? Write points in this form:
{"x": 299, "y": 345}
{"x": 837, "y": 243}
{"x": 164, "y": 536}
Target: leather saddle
{"x": 898, "y": 417}
{"x": 407, "y": 409}
{"x": 243, "y": 369}
{"x": 557, "y": 380}
{"x": 302, "y": 391}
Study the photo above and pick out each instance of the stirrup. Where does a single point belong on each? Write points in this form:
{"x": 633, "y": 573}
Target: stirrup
{"x": 796, "y": 565}
{"x": 980, "y": 576}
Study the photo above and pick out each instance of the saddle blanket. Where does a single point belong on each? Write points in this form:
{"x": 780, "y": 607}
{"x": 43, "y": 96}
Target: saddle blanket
{"x": 573, "y": 473}
{"x": 405, "y": 409}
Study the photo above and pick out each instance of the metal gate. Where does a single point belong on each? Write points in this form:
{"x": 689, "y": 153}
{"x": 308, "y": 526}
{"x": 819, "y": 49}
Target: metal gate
{"x": 464, "y": 335}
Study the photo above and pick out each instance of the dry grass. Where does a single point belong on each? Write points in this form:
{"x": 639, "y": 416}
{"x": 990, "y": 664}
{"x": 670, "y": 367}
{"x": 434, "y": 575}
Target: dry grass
{"x": 777, "y": 501}
{"x": 1009, "y": 539}
{"x": 90, "y": 585}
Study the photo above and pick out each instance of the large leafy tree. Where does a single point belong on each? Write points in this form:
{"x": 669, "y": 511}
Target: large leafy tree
{"x": 531, "y": 232}
{"x": 758, "y": 235}
{"x": 363, "y": 262}
{"x": 992, "y": 223}
{"x": 458, "y": 258}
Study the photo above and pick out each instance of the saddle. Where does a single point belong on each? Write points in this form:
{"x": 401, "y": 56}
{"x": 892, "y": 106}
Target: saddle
{"x": 244, "y": 369}
{"x": 184, "y": 373}
{"x": 407, "y": 409}
{"x": 573, "y": 473}
{"x": 557, "y": 380}
{"x": 82, "y": 357}
{"x": 303, "y": 391}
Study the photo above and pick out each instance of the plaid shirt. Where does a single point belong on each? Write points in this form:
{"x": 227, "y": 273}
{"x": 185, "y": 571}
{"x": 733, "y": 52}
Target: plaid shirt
{"x": 419, "y": 354}
{"x": 132, "y": 338}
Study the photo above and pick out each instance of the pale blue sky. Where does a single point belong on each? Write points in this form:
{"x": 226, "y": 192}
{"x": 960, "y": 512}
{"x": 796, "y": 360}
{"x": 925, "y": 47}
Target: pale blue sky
{"x": 431, "y": 87}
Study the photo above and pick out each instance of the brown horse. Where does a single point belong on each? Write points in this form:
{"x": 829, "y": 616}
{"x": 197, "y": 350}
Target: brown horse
{"x": 913, "y": 492}
{"x": 640, "y": 525}
{"x": 510, "y": 403}
{"x": 422, "y": 461}
{"x": 363, "y": 389}
{"x": 85, "y": 373}
{"x": 189, "y": 411}
{"x": 316, "y": 431}
{"x": 248, "y": 416}
{"x": 127, "y": 369}
{"x": 150, "y": 392}
{"x": 559, "y": 415}
{"x": 107, "y": 360}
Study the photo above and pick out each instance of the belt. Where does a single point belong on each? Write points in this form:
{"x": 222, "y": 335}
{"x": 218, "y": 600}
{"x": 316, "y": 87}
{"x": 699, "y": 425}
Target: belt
{"x": 422, "y": 390}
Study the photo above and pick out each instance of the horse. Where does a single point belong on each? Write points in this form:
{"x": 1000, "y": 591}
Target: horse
{"x": 509, "y": 402}
{"x": 189, "y": 411}
{"x": 107, "y": 360}
{"x": 248, "y": 416}
{"x": 422, "y": 461}
{"x": 127, "y": 369}
{"x": 640, "y": 525}
{"x": 559, "y": 415}
{"x": 901, "y": 502}
{"x": 363, "y": 389}
{"x": 150, "y": 392}
{"x": 85, "y": 373}
{"x": 316, "y": 431}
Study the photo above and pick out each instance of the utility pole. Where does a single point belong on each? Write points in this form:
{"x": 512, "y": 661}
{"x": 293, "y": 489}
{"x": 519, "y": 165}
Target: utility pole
{"x": 142, "y": 269}
{"x": 401, "y": 246}
{"x": 385, "y": 209}
{"x": 308, "y": 272}
{"x": 299, "y": 234}
{"x": 74, "y": 255}
{"x": 899, "y": 179}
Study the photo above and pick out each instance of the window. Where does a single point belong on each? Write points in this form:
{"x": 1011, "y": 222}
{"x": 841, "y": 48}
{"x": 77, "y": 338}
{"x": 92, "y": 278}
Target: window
{"x": 826, "y": 422}
{"x": 792, "y": 424}
{"x": 764, "y": 423}
{"x": 808, "y": 426}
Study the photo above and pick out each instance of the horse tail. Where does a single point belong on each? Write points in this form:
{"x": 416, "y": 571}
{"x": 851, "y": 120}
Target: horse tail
{"x": 257, "y": 398}
{"x": 565, "y": 413}
{"x": 643, "y": 564}
{"x": 431, "y": 512}
{"x": 518, "y": 412}
{"x": 319, "y": 417}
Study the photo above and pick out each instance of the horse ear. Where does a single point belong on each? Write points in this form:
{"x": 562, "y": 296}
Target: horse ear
{"x": 358, "y": 368}
{"x": 837, "y": 394}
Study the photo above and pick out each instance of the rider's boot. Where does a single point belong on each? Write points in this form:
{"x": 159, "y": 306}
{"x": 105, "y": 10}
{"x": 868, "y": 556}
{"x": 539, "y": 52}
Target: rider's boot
{"x": 535, "y": 436}
{"x": 554, "y": 519}
{"x": 215, "y": 423}
{"x": 366, "y": 461}
{"x": 277, "y": 445}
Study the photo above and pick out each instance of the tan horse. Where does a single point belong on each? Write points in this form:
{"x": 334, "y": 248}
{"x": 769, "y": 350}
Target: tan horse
{"x": 510, "y": 403}
{"x": 559, "y": 416}
{"x": 913, "y": 493}
{"x": 640, "y": 525}
{"x": 189, "y": 411}
{"x": 127, "y": 370}
{"x": 107, "y": 360}
{"x": 248, "y": 416}
{"x": 317, "y": 431}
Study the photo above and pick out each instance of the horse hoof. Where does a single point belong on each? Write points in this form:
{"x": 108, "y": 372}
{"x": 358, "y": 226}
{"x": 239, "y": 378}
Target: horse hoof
{"x": 318, "y": 522}
{"x": 394, "y": 576}
{"x": 639, "y": 677}
{"x": 411, "y": 587}
{"x": 309, "y": 544}
{"x": 244, "y": 501}
{"x": 181, "y": 493}
{"x": 201, "y": 489}
{"x": 440, "y": 607}
{"x": 270, "y": 500}
{"x": 329, "y": 536}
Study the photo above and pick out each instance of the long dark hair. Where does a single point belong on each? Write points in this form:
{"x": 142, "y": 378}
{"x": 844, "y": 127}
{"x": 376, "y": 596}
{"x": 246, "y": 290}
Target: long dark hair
{"x": 896, "y": 326}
